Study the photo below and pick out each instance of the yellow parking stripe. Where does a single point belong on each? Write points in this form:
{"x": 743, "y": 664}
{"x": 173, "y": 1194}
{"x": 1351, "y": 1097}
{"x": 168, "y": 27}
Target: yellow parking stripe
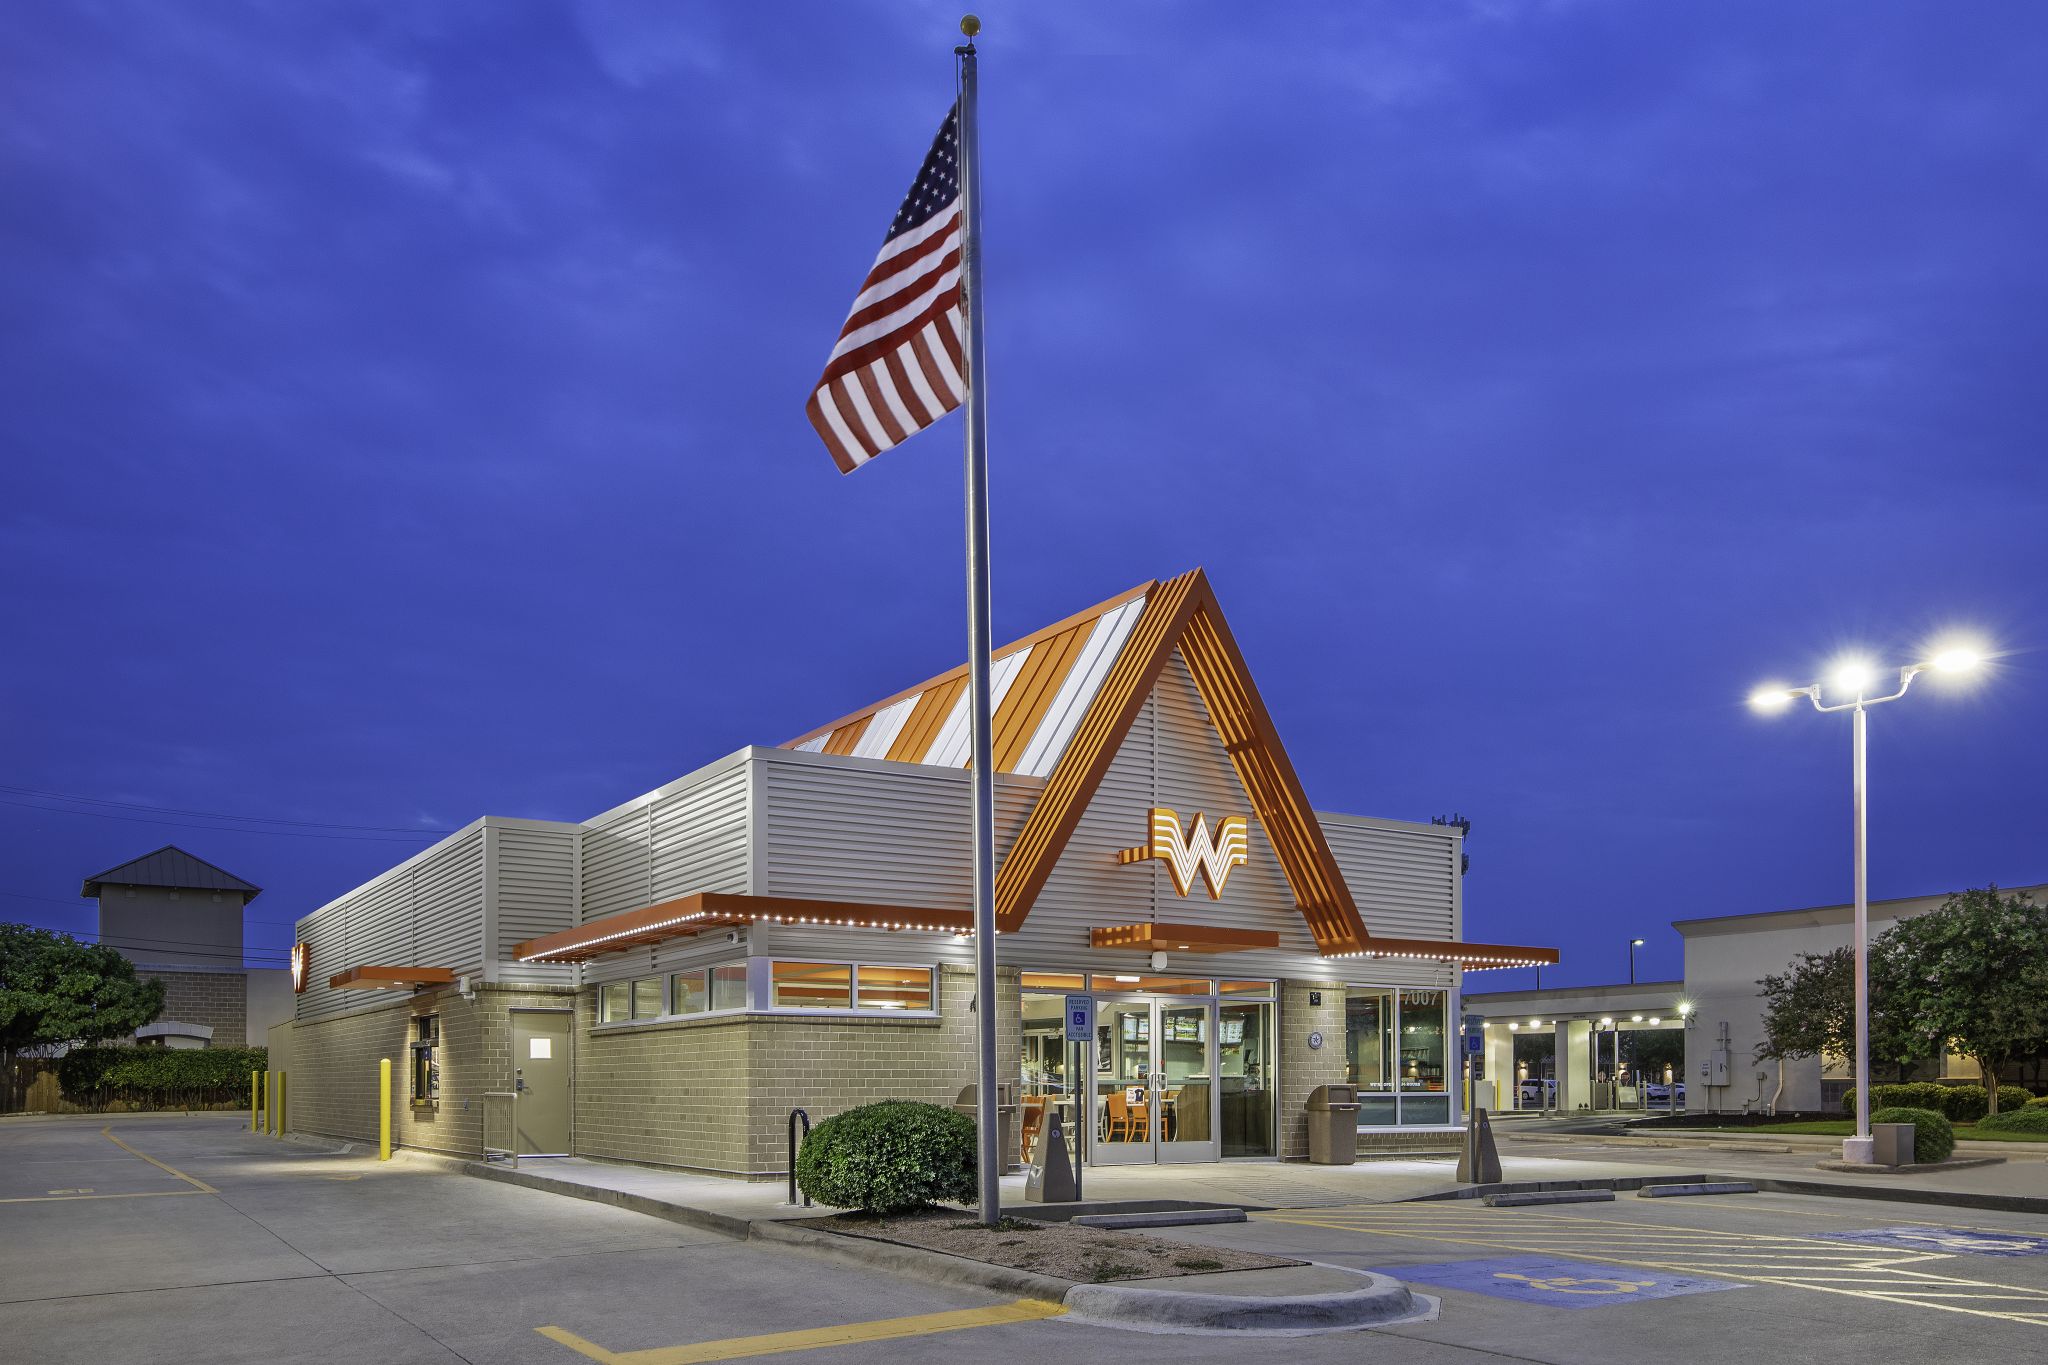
{"x": 810, "y": 1339}
{"x": 139, "y": 1194}
{"x": 196, "y": 1183}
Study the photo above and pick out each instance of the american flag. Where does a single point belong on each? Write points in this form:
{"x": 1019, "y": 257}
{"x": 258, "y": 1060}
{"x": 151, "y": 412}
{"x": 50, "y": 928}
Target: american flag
{"x": 898, "y": 366}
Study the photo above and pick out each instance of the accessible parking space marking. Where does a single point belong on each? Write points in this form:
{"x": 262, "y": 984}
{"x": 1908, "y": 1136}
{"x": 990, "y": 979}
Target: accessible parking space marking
{"x": 1814, "y": 1261}
{"x": 811, "y": 1338}
{"x": 1959, "y": 1241}
{"x": 1561, "y": 1284}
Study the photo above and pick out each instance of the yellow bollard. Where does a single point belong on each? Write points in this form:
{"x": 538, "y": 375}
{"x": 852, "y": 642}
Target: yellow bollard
{"x": 283, "y": 1114}
{"x": 384, "y": 1109}
{"x": 270, "y": 1095}
{"x": 255, "y": 1099}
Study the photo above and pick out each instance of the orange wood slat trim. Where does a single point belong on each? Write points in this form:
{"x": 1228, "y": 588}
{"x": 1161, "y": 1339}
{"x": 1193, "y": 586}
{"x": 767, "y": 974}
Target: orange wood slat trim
{"x": 960, "y": 673}
{"x": 1182, "y": 938}
{"x": 926, "y": 718}
{"x": 692, "y": 914}
{"x": 1476, "y": 955}
{"x": 846, "y": 736}
{"x": 1030, "y": 695}
{"x": 1080, "y": 770}
{"x": 373, "y": 978}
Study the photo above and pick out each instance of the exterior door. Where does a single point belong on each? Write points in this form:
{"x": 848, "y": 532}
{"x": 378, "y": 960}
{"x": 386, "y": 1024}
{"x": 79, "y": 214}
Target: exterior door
{"x": 1154, "y": 1092}
{"x": 540, "y": 1073}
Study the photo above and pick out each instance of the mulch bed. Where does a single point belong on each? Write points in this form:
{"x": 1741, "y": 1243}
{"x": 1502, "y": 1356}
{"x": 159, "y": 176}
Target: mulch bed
{"x": 1061, "y": 1250}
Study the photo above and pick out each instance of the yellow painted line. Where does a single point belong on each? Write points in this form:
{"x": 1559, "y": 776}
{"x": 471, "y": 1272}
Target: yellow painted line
{"x": 196, "y": 1183}
{"x": 139, "y": 1194}
{"x": 811, "y": 1338}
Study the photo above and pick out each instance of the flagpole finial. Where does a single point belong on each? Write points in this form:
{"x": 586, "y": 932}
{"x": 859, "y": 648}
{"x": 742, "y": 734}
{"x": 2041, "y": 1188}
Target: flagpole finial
{"x": 970, "y": 25}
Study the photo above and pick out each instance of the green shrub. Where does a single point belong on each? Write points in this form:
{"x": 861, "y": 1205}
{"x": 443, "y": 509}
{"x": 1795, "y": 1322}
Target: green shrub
{"x": 2038, "y": 1102}
{"x": 2014, "y": 1097}
{"x": 1911, "y": 1095}
{"x": 1933, "y": 1136}
{"x": 892, "y": 1157}
{"x": 1965, "y": 1103}
{"x": 2025, "y": 1118}
{"x": 156, "y": 1077}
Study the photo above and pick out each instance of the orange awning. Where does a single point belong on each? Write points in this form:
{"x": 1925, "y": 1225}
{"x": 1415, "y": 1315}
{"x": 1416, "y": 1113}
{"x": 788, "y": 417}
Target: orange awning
{"x": 391, "y": 978}
{"x": 1182, "y": 938}
{"x": 1476, "y": 957}
{"x": 694, "y": 914}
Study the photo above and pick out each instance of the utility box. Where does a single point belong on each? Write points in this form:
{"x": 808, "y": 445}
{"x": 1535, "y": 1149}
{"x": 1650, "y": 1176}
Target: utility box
{"x": 1892, "y": 1144}
{"x": 1333, "y": 1125}
{"x": 1717, "y": 1066}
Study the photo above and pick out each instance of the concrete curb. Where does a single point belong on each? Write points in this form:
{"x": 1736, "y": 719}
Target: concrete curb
{"x": 1176, "y": 1219}
{"x": 1676, "y": 1191}
{"x": 1623, "y": 1182}
{"x": 1380, "y": 1301}
{"x": 1156, "y": 1310}
{"x": 1526, "y": 1198}
{"x": 1893, "y": 1194}
{"x": 1955, "y": 1163}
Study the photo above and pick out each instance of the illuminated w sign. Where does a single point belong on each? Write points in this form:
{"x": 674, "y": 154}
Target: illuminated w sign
{"x": 1187, "y": 852}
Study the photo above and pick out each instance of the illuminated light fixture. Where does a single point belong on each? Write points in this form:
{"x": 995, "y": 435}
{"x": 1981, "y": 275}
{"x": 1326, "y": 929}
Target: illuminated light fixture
{"x": 1635, "y": 1018}
{"x": 1656, "y": 1019}
{"x": 1958, "y": 660}
{"x": 1774, "y": 696}
{"x": 1607, "y": 1023}
{"x": 1684, "y": 1009}
{"x": 1191, "y": 852}
{"x": 1535, "y": 1023}
{"x": 1514, "y": 1027}
{"x": 1853, "y": 675}
{"x": 1125, "y": 978}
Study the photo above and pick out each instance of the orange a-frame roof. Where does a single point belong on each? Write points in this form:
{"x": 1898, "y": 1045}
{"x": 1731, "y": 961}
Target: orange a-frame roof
{"x": 1066, "y": 698}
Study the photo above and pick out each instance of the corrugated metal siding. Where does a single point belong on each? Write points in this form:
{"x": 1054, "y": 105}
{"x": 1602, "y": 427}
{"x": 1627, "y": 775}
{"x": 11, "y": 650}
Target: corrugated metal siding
{"x": 700, "y": 837}
{"x": 616, "y": 866}
{"x": 1404, "y": 880}
{"x": 536, "y": 885}
{"x": 427, "y": 911}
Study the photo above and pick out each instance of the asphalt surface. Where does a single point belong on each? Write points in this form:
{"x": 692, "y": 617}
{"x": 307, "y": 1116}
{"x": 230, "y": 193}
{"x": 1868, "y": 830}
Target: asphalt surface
{"x": 191, "y": 1239}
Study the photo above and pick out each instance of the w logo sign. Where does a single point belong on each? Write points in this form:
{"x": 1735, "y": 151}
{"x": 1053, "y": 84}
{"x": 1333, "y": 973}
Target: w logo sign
{"x": 1186, "y": 852}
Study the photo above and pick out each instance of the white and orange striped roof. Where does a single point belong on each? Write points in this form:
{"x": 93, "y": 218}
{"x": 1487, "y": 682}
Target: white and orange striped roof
{"x": 1041, "y": 686}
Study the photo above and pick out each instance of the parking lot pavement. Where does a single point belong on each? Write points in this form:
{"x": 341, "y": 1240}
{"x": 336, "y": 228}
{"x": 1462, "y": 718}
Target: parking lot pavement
{"x": 173, "y": 1239}
{"x": 1733, "y": 1278}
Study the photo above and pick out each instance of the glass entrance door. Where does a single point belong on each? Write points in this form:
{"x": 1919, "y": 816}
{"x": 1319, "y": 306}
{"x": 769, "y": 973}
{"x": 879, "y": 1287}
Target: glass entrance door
{"x": 1155, "y": 1092}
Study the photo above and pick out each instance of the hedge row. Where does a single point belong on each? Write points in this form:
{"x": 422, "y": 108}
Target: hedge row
{"x": 2028, "y": 1118}
{"x": 160, "y": 1076}
{"x": 1957, "y": 1103}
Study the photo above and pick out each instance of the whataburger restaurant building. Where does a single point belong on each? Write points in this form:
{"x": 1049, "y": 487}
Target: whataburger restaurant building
{"x": 789, "y": 927}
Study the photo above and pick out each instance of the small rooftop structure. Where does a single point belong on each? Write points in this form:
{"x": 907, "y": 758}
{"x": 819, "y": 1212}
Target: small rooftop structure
{"x": 172, "y": 867}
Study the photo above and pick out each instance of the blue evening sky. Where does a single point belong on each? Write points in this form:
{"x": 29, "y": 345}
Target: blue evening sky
{"x": 402, "y": 414}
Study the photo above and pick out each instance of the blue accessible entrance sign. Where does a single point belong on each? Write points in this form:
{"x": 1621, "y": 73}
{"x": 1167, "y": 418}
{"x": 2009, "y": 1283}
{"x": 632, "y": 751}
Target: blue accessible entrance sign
{"x": 1561, "y": 1284}
{"x": 1959, "y": 1241}
{"x": 1080, "y": 1018}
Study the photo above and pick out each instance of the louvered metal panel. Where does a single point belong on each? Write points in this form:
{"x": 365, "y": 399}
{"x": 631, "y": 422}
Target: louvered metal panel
{"x": 536, "y": 890}
{"x": 616, "y": 866}
{"x": 700, "y": 838}
{"x": 1404, "y": 878}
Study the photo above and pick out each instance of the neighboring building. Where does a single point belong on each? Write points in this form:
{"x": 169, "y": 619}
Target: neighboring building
{"x": 785, "y": 927}
{"x": 1724, "y": 959}
{"x": 179, "y": 920}
{"x": 1596, "y": 1030}
{"x": 1718, "y": 1007}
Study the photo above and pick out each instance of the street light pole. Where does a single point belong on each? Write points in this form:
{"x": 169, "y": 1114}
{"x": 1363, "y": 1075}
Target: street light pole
{"x": 1633, "y": 944}
{"x": 1856, "y": 677}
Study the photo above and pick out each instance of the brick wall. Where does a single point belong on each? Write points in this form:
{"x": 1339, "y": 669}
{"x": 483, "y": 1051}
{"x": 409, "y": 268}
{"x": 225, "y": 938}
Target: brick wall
{"x": 333, "y": 1067}
{"x": 220, "y": 1000}
{"x": 1302, "y": 1069}
{"x": 715, "y": 1094}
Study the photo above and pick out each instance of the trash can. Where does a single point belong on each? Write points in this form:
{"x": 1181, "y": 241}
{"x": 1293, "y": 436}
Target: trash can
{"x": 1892, "y": 1144}
{"x": 1333, "y": 1125}
{"x": 1006, "y": 1118}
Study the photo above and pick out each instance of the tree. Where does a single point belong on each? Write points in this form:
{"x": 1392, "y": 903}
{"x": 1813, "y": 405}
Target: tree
{"x": 1972, "y": 976}
{"x": 54, "y": 989}
{"x": 1810, "y": 1009}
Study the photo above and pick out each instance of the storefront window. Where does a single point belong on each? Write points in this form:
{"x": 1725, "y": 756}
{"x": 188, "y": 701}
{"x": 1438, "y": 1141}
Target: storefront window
{"x": 812, "y": 985}
{"x": 614, "y": 1002}
{"x": 647, "y": 998}
{"x": 691, "y": 991}
{"x": 893, "y": 988}
{"x": 1369, "y": 1054}
{"x": 1425, "y": 1092}
{"x": 1153, "y": 985}
{"x": 1054, "y": 981}
{"x": 729, "y": 987}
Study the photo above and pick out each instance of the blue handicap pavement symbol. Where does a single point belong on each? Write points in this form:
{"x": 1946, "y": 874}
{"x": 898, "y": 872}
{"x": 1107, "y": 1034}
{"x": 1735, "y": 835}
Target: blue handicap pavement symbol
{"x": 1962, "y": 1241}
{"x": 1561, "y": 1284}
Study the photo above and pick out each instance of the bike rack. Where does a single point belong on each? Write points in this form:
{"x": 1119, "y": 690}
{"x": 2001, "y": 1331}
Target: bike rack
{"x": 794, "y": 1115}
{"x": 509, "y": 1152}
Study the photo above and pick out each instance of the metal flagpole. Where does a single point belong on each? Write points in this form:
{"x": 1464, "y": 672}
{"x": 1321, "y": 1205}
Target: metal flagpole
{"x": 987, "y": 1114}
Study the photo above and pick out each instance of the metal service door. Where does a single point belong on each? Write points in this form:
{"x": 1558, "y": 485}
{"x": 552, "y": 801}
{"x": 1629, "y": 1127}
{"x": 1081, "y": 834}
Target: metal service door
{"x": 540, "y": 1073}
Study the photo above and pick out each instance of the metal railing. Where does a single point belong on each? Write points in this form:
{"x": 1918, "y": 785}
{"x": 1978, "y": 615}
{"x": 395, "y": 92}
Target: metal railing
{"x": 504, "y": 1102}
{"x": 794, "y": 1116}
